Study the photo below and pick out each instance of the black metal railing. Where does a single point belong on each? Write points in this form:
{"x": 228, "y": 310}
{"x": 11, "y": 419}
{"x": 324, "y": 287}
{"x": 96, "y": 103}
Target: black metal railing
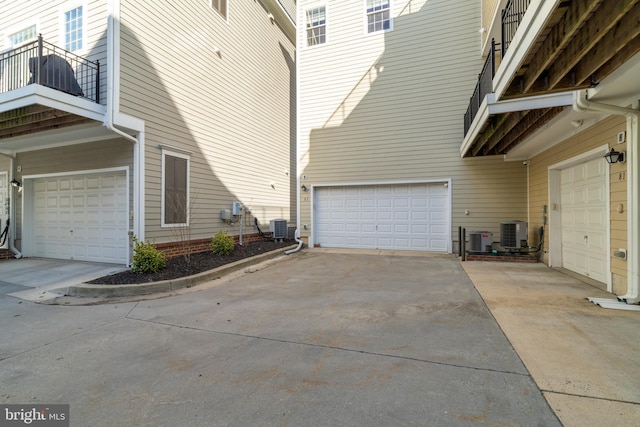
{"x": 511, "y": 17}
{"x": 483, "y": 87}
{"x": 45, "y": 64}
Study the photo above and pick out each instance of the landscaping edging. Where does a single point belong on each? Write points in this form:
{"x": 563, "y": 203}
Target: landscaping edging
{"x": 112, "y": 291}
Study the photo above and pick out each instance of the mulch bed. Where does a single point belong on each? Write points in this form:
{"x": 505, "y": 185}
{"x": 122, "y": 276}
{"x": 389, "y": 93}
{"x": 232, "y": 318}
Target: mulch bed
{"x": 199, "y": 262}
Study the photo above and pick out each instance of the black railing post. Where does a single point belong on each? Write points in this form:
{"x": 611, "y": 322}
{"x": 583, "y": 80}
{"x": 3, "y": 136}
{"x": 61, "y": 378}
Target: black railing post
{"x": 493, "y": 58}
{"x": 39, "y": 66}
{"x": 97, "y": 82}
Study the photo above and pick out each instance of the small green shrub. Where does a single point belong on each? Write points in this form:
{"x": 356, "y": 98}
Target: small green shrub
{"x": 222, "y": 243}
{"x": 147, "y": 258}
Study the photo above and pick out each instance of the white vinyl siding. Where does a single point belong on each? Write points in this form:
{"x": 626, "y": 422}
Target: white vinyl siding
{"x": 234, "y": 112}
{"x": 388, "y": 107}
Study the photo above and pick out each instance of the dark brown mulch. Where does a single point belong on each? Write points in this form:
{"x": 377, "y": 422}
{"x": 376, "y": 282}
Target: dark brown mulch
{"x": 199, "y": 262}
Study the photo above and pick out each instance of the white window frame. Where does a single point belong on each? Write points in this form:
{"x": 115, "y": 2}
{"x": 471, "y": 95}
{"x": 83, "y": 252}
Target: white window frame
{"x": 187, "y": 157}
{"x": 64, "y": 9}
{"x": 367, "y": 14}
{"x": 23, "y": 26}
{"x": 306, "y": 28}
{"x": 224, "y": 16}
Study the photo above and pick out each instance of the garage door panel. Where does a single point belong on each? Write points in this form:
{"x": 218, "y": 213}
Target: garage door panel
{"x": 74, "y": 218}
{"x": 584, "y": 219}
{"x": 387, "y": 216}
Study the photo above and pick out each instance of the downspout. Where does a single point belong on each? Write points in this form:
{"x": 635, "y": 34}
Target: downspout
{"x": 296, "y": 235}
{"x": 581, "y": 103}
{"x": 138, "y": 147}
{"x": 12, "y": 213}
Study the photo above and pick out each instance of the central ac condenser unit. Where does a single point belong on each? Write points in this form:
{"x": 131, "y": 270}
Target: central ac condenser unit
{"x": 278, "y": 228}
{"x": 480, "y": 241}
{"x": 513, "y": 234}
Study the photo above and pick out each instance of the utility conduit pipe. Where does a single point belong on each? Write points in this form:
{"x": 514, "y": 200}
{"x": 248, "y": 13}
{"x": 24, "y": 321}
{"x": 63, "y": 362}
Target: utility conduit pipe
{"x": 581, "y": 103}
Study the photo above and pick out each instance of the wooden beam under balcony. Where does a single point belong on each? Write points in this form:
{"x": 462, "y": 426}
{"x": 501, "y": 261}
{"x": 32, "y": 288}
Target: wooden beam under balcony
{"x": 35, "y": 118}
{"x": 580, "y": 46}
{"x": 559, "y": 36}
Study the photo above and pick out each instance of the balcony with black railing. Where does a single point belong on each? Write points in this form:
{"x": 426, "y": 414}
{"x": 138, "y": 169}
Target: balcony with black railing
{"x": 511, "y": 18}
{"x": 483, "y": 87}
{"x": 45, "y": 64}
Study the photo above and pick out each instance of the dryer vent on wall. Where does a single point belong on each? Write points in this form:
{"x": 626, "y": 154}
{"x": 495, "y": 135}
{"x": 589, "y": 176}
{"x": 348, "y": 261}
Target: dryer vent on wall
{"x": 513, "y": 234}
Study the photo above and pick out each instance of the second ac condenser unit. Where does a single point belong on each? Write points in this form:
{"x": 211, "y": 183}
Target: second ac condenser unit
{"x": 279, "y": 228}
{"x": 480, "y": 241}
{"x": 513, "y": 234}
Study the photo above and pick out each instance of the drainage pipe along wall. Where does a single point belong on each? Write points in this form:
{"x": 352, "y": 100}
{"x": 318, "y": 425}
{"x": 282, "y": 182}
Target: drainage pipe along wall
{"x": 581, "y": 103}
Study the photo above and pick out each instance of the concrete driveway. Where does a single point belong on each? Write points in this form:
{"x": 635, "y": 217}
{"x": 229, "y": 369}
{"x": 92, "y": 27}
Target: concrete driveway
{"x": 39, "y": 279}
{"x": 315, "y": 339}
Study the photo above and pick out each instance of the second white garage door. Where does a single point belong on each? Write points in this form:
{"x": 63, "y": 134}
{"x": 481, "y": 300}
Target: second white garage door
{"x": 400, "y": 217}
{"x": 81, "y": 217}
{"x": 584, "y": 219}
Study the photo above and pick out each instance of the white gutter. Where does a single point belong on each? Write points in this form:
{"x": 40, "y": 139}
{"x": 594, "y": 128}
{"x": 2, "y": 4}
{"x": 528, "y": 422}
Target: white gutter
{"x": 12, "y": 212}
{"x": 112, "y": 111}
{"x": 581, "y": 103}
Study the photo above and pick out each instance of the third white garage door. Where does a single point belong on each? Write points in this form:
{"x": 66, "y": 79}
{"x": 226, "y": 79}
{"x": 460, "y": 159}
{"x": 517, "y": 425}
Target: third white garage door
{"x": 400, "y": 217}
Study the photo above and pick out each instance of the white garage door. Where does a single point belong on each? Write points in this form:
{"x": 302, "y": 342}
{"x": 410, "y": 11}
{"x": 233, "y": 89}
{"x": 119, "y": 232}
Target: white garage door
{"x": 401, "y": 217}
{"x": 584, "y": 219}
{"x": 81, "y": 217}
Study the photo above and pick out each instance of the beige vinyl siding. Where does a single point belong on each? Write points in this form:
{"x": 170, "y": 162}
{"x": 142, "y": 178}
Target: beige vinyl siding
{"x": 73, "y": 158}
{"x": 389, "y": 107}
{"x": 233, "y": 112}
{"x": 47, "y": 17}
{"x": 604, "y": 132}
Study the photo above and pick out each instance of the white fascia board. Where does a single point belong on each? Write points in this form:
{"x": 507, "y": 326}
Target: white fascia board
{"x": 490, "y": 107}
{"x": 126, "y": 121}
{"x": 532, "y": 23}
{"x": 41, "y": 95}
{"x": 560, "y": 99}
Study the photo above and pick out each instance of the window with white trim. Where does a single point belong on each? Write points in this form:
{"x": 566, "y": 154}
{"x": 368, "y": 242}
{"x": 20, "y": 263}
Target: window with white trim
{"x": 23, "y": 36}
{"x": 378, "y": 14}
{"x": 73, "y": 29}
{"x": 175, "y": 189}
{"x": 316, "y": 25}
{"x": 220, "y": 6}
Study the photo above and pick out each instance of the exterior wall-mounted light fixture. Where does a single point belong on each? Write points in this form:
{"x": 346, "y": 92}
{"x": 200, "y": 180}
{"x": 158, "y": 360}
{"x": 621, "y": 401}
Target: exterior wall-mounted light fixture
{"x": 614, "y": 156}
{"x": 16, "y": 183}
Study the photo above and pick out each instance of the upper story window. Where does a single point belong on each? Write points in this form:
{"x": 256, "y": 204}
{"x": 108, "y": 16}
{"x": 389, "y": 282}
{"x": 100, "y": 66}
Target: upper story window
{"x": 316, "y": 26}
{"x": 378, "y": 15}
{"x": 73, "y": 29}
{"x": 25, "y": 35}
{"x": 220, "y": 6}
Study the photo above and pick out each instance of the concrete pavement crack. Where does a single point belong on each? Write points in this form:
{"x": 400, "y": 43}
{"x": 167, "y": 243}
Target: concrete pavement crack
{"x": 589, "y": 397}
{"x": 351, "y": 350}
